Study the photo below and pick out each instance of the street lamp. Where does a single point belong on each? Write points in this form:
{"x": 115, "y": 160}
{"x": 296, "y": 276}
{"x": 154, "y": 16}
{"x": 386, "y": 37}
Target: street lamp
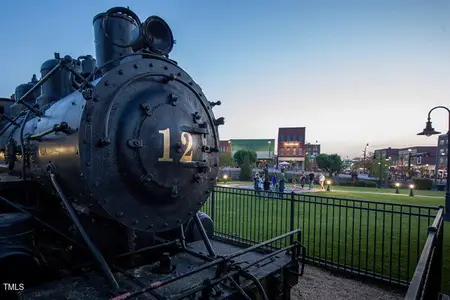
{"x": 396, "y": 187}
{"x": 429, "y": 131}
{"x": 364, "y": 161}
{"x": 380, "y": 163}
{"x": 411, "y": 192}
{"x": 225, "y": 177}
{"x": 328, "y": 185}
{"x": 269, "y": 142}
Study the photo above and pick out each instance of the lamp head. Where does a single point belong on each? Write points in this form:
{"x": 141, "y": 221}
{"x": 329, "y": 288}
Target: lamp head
{"x": 328, "y": 181}
{"x": 397, "y": 184}
{"x": 428, "y": 130}
{"x": 411, "y": 186}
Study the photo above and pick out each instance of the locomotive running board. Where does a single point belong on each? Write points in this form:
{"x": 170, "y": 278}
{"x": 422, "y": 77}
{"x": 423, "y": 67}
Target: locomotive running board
{"x": 227, "y": 269}
{"x": 94, "y": 250}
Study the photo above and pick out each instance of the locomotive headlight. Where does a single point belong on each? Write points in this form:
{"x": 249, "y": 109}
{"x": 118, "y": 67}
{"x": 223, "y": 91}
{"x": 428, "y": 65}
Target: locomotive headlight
{"x": 158, "y": 35}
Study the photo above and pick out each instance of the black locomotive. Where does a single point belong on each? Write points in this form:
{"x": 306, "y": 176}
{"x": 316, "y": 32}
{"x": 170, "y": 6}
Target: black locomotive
{"x": 107, "y": 163}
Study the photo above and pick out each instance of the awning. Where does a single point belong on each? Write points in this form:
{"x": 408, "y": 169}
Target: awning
{"x": 286, "y": 158}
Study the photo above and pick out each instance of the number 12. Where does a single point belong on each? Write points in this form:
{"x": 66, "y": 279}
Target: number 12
{"x": 186, "y": 140}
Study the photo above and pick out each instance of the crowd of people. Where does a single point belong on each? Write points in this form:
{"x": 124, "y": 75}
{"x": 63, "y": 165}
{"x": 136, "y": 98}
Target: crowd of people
{"x": 263, "y": 183}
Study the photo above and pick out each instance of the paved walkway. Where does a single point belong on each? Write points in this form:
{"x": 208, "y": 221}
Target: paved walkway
{"x": 378, "y": 193}
{"x": 286, "y": 190}
{"x": 315, "y": 190}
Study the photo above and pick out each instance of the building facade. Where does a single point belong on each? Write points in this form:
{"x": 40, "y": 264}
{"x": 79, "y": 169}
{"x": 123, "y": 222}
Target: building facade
{"x": 225, "y": 146}
{"x": 264, "y": 148}
{"x": 291, "y": 145}
{"x": 421, "y": 156}
{"x": 312, "y": 149}
{"x": 442, "y": 152}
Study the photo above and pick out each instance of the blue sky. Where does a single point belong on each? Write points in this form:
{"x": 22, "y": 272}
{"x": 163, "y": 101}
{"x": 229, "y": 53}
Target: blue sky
{"x": 352, "y": 72}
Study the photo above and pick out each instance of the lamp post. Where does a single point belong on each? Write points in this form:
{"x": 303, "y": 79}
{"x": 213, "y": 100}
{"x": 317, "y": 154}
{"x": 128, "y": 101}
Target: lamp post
{"x": 429, "y": 131}
{"x": 409, "y": 163}
{"x": 381, "y": 167}
{"x": 269, "y": 142}
{"x": 328, "y": 185}
{"x": 411, "y": 192}
{"x": 396, "y": 187}
{"x": 364, "y": 161}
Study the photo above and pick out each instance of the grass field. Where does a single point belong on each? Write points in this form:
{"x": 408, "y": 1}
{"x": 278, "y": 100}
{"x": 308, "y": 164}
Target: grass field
{"x": 375, "y": 238}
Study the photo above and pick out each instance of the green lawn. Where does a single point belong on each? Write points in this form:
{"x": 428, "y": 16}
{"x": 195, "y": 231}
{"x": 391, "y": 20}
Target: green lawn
{"x": 374, "y": 237}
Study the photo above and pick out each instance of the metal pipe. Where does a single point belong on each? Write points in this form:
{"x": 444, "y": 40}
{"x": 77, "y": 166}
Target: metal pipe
{"x": 209, "y": 265}
{"x": 205, "y": 237}
{"x": 37, "y": 85}
{"x": 9, "y": 125}
{"x": 95, "y": 252}
{"x": 10, "y": 120}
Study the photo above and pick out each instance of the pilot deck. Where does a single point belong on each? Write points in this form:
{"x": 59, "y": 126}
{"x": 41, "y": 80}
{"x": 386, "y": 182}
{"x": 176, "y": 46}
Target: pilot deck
{"x": 92, "y": 286}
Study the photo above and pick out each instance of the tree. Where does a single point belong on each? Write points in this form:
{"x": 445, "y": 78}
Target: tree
{"x": 246, "y": 170}
{"x": 308, "y": 163}
{"x": 225, "y": 159}
{"x": 330, "y": 163}
{"x": 241, "y": 154}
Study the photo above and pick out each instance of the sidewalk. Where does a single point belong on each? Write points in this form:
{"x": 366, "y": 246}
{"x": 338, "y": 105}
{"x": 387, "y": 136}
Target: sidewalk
{"x": 336, "y": 189}
{"x": 286, "y": 190}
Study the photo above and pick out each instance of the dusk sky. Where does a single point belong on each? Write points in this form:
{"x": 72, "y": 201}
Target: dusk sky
{"x": 352, "y": 72}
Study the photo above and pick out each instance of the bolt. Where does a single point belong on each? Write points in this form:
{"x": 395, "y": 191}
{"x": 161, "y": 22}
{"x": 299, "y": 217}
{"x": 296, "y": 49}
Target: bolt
{"x": 119, "y": 214}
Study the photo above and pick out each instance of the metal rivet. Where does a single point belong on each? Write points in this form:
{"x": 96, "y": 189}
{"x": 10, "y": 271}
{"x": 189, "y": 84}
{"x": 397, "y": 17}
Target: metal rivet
{"x": 150, "y": 226}
{"x": 179, "y": 74}
{"x": 107, "y": 83}
{"x": 121, "y": 72}
{"x": 150, "y": 65}
{"x": 119, "y": 214}
{"x": 135, "y": 222}
{"x": 136, "y": 66}
{"x": 165, "y": 224}
{"x": 166, "y": 68}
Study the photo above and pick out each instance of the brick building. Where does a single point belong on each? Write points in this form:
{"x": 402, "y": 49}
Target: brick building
{"x": 312, "y": 149}
{"x": 291, "y": 145}
{"x": 225, "y": 146}
{"x": 421, "y": 156}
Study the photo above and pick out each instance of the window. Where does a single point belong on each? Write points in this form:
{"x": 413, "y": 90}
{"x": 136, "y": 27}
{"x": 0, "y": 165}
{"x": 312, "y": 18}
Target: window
{"x": 300, "y": 138}
{"x": 288, "y": 138}
{"x": 300, "y": 151}
{"x": 419, "y": 160}
{"x": 288, "y": 150}
{"x": 294, "y": 151}
{"x": 282, "y": 138}
{"x": 282, "y": 151}
{"x": 441, "y": 142}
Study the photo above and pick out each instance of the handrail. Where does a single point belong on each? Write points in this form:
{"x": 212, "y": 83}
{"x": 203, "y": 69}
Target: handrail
{"x": 417, "y": 285}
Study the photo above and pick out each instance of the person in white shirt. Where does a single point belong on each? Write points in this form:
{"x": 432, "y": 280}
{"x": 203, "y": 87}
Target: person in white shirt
{"x": 322, "y": 181}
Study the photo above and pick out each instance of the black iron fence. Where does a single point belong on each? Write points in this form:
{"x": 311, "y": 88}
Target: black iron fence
{"x": 380, "y": 240}
{"x": 427, "y": 279}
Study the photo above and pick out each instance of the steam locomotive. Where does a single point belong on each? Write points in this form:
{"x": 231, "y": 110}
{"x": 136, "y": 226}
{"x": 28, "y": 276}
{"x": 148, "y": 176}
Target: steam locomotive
{"x": 107, "y": 163}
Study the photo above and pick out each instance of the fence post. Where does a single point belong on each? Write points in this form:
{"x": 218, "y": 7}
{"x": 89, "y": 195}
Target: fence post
{"x": 439, "y": 244}
{"x": 292, "y": 224}
{"x": 212, "y": 202}
{"x": 435, "y": 282}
